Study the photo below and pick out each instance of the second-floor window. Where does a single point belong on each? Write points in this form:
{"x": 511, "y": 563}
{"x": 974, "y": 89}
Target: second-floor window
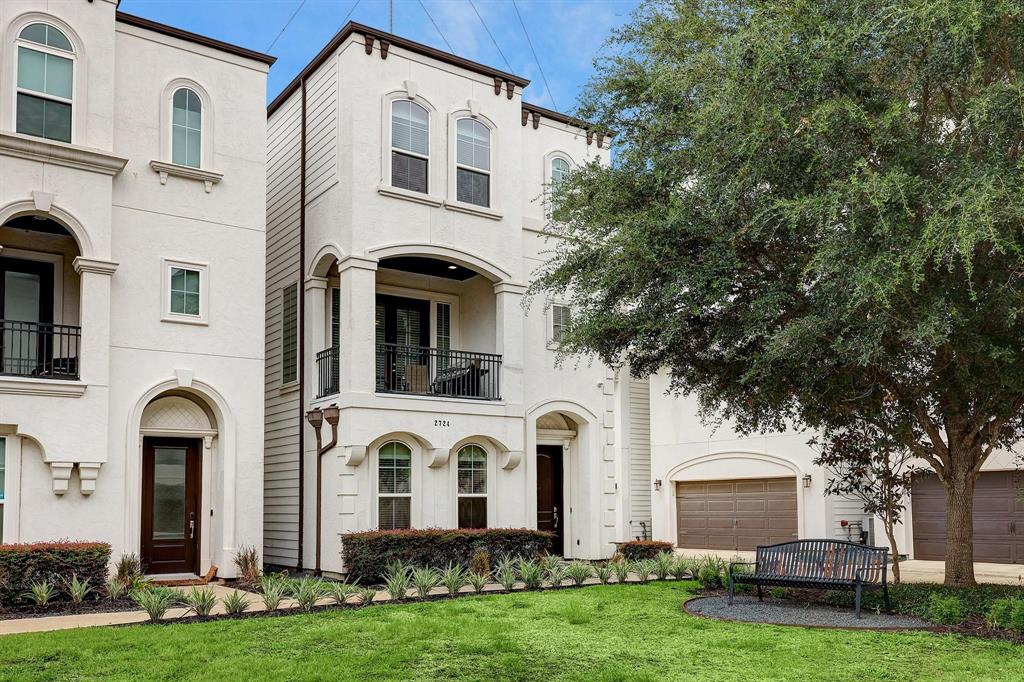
{"x": 45, "y": 83}
{"x": 185, "y": 291}
{"x": 410, "y": 146}
{"x": 473, "y": 162}
{"x": 290, "y": 333}
{"x": 560, "y": 317}
{"x": 187, "y": 128}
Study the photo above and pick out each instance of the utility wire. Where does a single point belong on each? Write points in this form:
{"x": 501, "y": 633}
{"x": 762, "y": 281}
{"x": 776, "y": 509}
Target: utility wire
{"x": 450, "y": 48}
{"x": 285, "y": 27}
{"x": 350, "y": 11}
{"x": 535, "y": 58}
{"x": 473, "y": 5}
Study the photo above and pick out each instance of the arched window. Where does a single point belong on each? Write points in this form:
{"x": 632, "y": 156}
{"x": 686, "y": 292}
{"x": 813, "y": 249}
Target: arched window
{"x": 472, "y": 162}
{"x": 187, "y": 128}
{"x": 559, "y": 170}
{"x": 45, "y": 83}
{"x": 394, "y": 486}
{"x": 410, "y": 146}
{"x": 472, "y": 487}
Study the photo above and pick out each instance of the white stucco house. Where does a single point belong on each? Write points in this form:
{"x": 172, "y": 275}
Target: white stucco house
{"x": 405, "y": 209}
{"x": 132, "y": 180}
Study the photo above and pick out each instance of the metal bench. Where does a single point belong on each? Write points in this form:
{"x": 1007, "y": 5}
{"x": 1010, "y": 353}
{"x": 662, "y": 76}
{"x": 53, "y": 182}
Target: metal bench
{"x": 816, "y": 564}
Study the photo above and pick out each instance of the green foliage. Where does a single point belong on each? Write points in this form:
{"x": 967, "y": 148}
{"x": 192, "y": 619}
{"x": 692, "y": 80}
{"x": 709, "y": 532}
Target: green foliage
{"x": 478, "y": 580}
{"x": 480, "y": 563}
{"x": 531, "y": 573}
{"x": 1007, "y": 614}
{"x": 621, "y": 568}
{"x": 454, "y": 578}
{"x": 779, "y": 593}
{"x": 424, "y": 579}
{"x": 155, "y": 600}
{"x": 128, "y": 570}
{"x": 549, "y": 561}
{"x": 506, "y": 577}
{"x": 709, "y": 578}
{"x": 663, "y": 563}
{"x": 248, "y": 565}
{"x": 366, "y": 595}
{"x": 273, "y": 589}
{"x": 235, "y": 602}
{"x": 644, "y": 569}
{"x": 578, "y": 571}
{"x": 50, "y": 562}
{"x": 338, "y": 590}
{"x": 682, "y": 567}
{"x": 200, "y": 600}
{"x": 556, "y": 574}
{"x": 947, "y": 610}
{"x": 914, "y": 598}
{"x": 40, "y": 593}
{"x": 643, "y": 549}
{"x": 115, "y": 588}
{"x": 307, "y": 591}
{"x": 604, "y": 572}
{"x": 397, "y": 582}
{"x": 78, "y": 590}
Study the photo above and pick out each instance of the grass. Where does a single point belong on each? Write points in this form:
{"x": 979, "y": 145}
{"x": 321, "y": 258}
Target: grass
{"x": 627, "y": 632}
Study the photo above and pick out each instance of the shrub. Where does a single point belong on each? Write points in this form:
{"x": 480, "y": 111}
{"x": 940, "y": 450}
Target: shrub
{"x": 1007, "y": 614}
{"x": 579, "y": 571}
{"x": 40, "y": 593}
{"x": 945, "y": 610}
{"x": 78, "y": 590}
{"x": 779, "y": 593}
{"x": 155, "y": 601}
{"x": 556, "y": 574}
{"x": 506, "y": 576}
{"x": 682, "y": 567}
{"x": 128, "y": 570}
{"x": 115, "y": 588}
{"x": 603, "y": 573}
{"x": 365, "y": 553}
{"x": 235, "y": 603}
{"x": 663, "y": 564}
{"x": 397, "y": 582}
{"x": 480, "y": 563}
{"x": 365, "y": 595}
{"x": 51, "y": 562}
{"x": 530, "y": 573}
{"x": 247, "y": 562}
{"x": 201, "y": 601}
{"x": 454, "y": 578}
{"x": 425, "y": 579}
{"x": 637, "y": 550}
{"x": 620, "y": 568}
{"x": 273, "y": 591}
{"x": 915, "y": 598}
{"x": 644, "y": 569}
{"x": 307, "y": 591}
{"x": 709, "y": 577}
{"x": 338, "y": 591}
{"x": 478, "y": 581}
{"x": 548, "y": 562}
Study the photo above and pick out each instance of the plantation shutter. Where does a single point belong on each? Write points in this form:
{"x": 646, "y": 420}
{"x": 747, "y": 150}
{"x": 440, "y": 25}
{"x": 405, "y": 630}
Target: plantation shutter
{"x": 289, "y": 333}
{"x": 335, "y": 317}
{"x": 560, "y": 316}
{"x": 444, "y": 334}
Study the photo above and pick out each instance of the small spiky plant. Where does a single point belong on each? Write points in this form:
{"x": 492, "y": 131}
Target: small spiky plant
{"x": 247, "y": 561}
{"x": 682, "y": 567}
{"x": 41, "y": 592}
{"x": 155, "y": 601}
{"x": 201, "y": 601}
{"x": 478, "y": 581}
{"x": 620, "y": 568}
{"x": 644, "y": 569}
{"x": 556, "y": 574}
{"x": 338, "y": 591}
{"x": 530, "y": 573}
{"x": 366, "y": 595}
{"x": 454, "y": 578}
{"x": 663, "y": 563}
{"x": 235, "y": 603}
{"x": 578, "y": 571}
{"x": 307, "y": 591}
{"x": 603, "y": 572}
{"x": 424, "y": 580}
{"x": 78, "y": 590}
{"x": 115, "y": 588}
{"x": 397, "y": 582}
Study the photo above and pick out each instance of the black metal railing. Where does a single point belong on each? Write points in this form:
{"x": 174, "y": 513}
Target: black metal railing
{"x": 39, "y": 349}
{"x": 438, "y": 372}
{"x": 327, "y": 371}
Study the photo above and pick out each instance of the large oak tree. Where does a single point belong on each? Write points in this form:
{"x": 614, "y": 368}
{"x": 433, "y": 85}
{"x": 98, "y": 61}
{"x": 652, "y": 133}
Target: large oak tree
{"x": 814, "y": 219}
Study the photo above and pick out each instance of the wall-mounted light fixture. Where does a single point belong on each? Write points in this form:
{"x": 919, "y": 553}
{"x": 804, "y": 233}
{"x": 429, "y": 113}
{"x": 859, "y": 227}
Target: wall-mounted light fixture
{"x": 657, "y": 484}
{"x": 807, "y": 480}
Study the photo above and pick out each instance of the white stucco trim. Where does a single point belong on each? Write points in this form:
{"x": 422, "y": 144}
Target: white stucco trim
{"x": 206, "y": 140}
{"x": 17, "y": 209}
{"x": 474, "y": 262}
{"x": 421, "y": 450}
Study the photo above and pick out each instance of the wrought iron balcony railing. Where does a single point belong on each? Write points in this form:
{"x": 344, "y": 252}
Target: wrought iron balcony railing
{"x": 438, "y": 372}
{"x": 327, "y": 372}
{"x": 39, "y": 349}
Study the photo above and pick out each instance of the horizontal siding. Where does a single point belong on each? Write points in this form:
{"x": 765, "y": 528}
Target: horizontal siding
{"x": 639, "y": 457}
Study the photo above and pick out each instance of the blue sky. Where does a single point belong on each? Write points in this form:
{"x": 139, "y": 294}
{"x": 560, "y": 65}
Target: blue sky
{"x": 566, "y": 34}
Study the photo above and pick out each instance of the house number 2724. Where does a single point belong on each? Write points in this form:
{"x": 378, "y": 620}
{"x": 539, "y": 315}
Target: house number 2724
{"x": 442, "y": 422}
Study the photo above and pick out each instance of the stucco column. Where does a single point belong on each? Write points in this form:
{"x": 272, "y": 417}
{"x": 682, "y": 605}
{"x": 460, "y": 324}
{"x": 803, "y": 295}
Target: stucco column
{"x": 358, "y": 316}
{"x": 508, "y": 334}
{"x": 94, "y": 316}
{"x": 316, "y": 309}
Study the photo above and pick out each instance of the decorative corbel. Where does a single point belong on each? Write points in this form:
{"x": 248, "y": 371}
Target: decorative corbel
{"x": 354, "y": 454}
{"x": 526, "y": 116}
{"x": 510, "y": 459}
{"x": 600, "y": 139}
{"x": 536, "y": 120}
{"x": 384, "y": 47}
{"x": 497, "y": 85}
{"x": 510, "y": 88}
{"x": 473, "y": 106}
{"x": 438, "y": 457}
{"x": 590, "y": 137}
{"x": 88, "y": 472}
{"x": 60, "y": 473}
{"x": 368, "y": 42}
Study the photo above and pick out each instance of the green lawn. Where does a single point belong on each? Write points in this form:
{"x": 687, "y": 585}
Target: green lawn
{"x": 629, "y": 632}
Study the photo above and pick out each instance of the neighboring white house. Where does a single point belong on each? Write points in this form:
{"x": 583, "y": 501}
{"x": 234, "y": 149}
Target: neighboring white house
{"x": 717, "y": 490}
{"x": 417, "y": 227}
{"x": 132, "y": 236}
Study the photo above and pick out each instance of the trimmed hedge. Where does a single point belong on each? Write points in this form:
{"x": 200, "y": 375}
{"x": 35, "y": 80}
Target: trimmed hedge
{"x": 53, "y": 562}
{"x": 637, "y": 550}
{"x": 916, "y": 599}
{"x": 366, "y": 555}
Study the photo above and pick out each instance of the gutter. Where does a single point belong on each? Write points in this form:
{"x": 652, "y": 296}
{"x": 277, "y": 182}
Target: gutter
{"x": 302, "y": 327}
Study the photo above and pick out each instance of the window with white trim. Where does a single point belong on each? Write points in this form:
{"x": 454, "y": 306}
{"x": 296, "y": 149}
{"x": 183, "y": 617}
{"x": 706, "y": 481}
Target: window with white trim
{"x": 290, "y": 333}
{"x": 45, "y": 88}
{"x": 186, "y": 128}
{"x": 472, "y": 162}
{"x": 185, "y": 291}
{"x": 560, "y": 318}
{"x": 559, "y": 170}
{"x": 472, "y": 487}
{"x": 394, "y": 486}
{"x": 410, "y": 146}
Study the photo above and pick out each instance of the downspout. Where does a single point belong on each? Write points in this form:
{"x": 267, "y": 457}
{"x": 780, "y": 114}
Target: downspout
{"x": 302, "y": 325}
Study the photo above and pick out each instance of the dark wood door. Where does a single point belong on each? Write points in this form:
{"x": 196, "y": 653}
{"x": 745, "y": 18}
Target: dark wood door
{"x": 736, "y": 515}
{"x": 171, "y": 479}
{"x": 998, "y": 517}
{"x": 26, "y": 307}
{"x": 550, "y": 512}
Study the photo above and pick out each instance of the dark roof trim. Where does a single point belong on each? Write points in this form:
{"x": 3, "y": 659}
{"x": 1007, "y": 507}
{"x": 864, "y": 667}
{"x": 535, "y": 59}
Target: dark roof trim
{"x": 395, "y": 41}
{"x": 166, "y": 30}
{"x": 561, "y": 118}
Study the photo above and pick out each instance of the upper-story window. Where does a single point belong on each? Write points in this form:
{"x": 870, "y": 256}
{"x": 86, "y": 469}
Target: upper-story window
{"x": 46, "y": 65}
{"x": 410, "y": 146}
{"x": 473, "y": 162}
{"x": 559, "y": 170}
{"x": 187, "y": 128}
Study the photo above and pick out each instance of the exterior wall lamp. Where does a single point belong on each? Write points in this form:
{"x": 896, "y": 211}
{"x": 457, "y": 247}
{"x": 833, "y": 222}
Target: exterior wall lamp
{"x": 657, "y": 484}
{"x": 316, "y": 418}
{"x": 807, "y": 480}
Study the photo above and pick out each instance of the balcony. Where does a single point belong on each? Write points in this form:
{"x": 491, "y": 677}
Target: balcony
{"x": 39, "y": 349}
{"x": 327, "y": 372}
{"x": 418, "y": 370}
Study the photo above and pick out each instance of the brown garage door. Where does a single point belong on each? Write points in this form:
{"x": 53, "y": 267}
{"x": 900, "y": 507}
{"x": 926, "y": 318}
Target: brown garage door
{"x": 998, "y": 517}
{"x": 736, "y": 515}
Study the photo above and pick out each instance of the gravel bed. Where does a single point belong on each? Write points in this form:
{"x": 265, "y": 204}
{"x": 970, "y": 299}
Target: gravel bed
{"x": 748, "y": 609}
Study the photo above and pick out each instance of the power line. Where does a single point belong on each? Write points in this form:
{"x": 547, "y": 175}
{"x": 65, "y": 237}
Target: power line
{"x": 350, "y": 11}
{"x": 535, "y": 58}
{"x": 450, "y": 48}
{"x": 285, "y": 27}
{"x": 473, "y": 5}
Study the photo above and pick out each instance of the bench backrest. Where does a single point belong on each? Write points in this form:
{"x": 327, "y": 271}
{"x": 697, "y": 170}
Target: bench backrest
{"x": 828, "y": 560}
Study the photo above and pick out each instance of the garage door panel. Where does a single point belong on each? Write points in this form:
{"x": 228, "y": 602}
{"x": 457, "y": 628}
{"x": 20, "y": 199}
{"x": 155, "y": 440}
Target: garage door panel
{"x": 736, "y": 515}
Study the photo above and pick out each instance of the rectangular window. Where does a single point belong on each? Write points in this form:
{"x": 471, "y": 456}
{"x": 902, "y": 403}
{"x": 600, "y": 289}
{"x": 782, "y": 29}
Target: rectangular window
{"x": 408, "y": 172}
{"x": 560, "y": 316}
{"x": 335, "y": 317}
{"x": 44, "y": 118}
{"x": 473, "y": 187}
{"x": 184, "y": 291}
{"x": 290, "y": 333}
{"x": 44, "y": 95}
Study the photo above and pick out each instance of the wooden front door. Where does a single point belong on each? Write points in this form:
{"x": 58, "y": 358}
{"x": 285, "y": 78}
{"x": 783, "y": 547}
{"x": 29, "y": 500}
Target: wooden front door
{"x": 171, "y": 481}
{"x": 550, "y": 512}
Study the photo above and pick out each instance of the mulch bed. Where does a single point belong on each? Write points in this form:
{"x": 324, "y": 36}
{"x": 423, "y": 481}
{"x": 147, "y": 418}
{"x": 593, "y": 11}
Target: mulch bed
{"x": 64, "y": 608}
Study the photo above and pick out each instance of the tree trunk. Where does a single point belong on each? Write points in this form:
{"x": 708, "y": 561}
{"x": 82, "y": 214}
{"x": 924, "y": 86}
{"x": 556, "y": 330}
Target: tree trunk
{"x": 890, "y": 533}
{"x": 960, "y": 527}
